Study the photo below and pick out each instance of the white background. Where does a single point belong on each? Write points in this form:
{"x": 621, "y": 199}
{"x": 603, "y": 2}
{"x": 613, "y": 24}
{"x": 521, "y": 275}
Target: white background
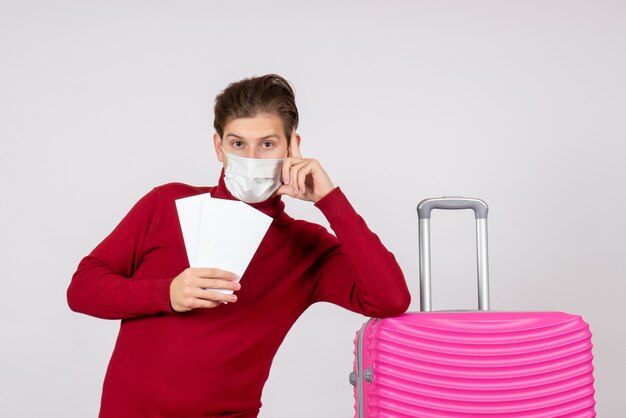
{"x": 521, "y": 103}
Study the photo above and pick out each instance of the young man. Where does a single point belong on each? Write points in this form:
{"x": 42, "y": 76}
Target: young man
{"x": 181, "y": 352}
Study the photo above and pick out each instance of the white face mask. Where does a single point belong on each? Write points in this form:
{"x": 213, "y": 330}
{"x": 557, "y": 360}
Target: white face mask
{"x": 252, "y": 180}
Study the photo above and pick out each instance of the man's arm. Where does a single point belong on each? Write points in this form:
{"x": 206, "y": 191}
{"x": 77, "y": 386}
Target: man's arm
{"x": 356, "y": 272}
{"x": 103, "y": 284}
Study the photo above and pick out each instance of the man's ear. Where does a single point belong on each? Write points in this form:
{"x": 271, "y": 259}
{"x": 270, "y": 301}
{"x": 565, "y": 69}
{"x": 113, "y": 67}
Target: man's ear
{"x": 217, "y": 143}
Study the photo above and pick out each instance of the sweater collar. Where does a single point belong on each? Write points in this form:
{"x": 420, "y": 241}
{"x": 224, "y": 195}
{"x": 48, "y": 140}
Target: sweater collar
{"x": 273, "y": 207}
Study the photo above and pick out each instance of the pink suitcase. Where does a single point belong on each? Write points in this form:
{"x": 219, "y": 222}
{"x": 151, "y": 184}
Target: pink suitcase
{"x": 454, "y": 364}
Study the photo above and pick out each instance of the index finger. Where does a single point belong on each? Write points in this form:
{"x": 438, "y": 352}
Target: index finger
{"x": 294, "y": 146}
{"x": 214, "y": 273}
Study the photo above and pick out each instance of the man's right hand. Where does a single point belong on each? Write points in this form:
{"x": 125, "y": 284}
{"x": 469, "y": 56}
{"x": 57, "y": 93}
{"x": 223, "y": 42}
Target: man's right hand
{"x": 191, "y": 289}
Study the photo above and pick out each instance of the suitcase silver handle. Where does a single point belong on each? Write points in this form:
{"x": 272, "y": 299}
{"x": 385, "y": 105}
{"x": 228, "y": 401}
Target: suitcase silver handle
{"x": 481, "y": 211}
{"x": 426, "y": 206}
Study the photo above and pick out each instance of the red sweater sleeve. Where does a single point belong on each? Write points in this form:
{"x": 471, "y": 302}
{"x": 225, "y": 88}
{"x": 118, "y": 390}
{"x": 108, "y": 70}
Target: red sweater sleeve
{"x": 103, "y": 284}
{"x": 356, "y": 271}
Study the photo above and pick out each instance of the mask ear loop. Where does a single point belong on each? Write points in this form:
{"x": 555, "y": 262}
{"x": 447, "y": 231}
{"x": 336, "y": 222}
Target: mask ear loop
{"x": 224, "y": 153}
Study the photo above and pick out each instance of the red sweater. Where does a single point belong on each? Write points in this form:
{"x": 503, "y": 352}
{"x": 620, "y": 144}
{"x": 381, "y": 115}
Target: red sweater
{"x": 214, "y": 362}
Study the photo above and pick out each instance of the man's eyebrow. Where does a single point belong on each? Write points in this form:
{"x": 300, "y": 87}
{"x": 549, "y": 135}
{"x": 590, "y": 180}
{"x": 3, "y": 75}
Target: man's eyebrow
{"x": 241, "y": 137}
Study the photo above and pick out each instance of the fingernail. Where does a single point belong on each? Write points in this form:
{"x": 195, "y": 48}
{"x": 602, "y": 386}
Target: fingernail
{"x": 233, "y": 298}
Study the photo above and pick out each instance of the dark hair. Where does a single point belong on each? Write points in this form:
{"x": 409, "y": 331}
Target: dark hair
{"x": 270, "y": 93}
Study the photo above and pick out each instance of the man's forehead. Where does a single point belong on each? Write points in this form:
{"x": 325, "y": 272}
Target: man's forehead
{"x": 257, "y": 127}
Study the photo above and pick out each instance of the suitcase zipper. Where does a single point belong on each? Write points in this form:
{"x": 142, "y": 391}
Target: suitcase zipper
{"x": 359, "y": 371}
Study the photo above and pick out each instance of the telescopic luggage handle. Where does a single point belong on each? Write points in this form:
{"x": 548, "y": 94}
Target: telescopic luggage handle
{"x": 481, "y": 210}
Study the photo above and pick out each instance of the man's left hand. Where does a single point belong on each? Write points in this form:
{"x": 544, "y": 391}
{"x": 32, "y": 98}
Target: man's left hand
{"x": 303, "y": 178}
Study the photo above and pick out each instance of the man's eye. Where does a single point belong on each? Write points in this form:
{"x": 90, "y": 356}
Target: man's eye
{"x": 267, "y": 145}
{"x": 237, "y": 144}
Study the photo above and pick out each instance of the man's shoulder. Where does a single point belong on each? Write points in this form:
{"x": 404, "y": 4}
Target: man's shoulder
{"x": 178, "y": 190}
{"x": 306, "y": 229}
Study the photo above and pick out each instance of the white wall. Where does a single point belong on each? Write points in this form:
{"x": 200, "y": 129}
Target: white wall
{"x": 521, "y": 103}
